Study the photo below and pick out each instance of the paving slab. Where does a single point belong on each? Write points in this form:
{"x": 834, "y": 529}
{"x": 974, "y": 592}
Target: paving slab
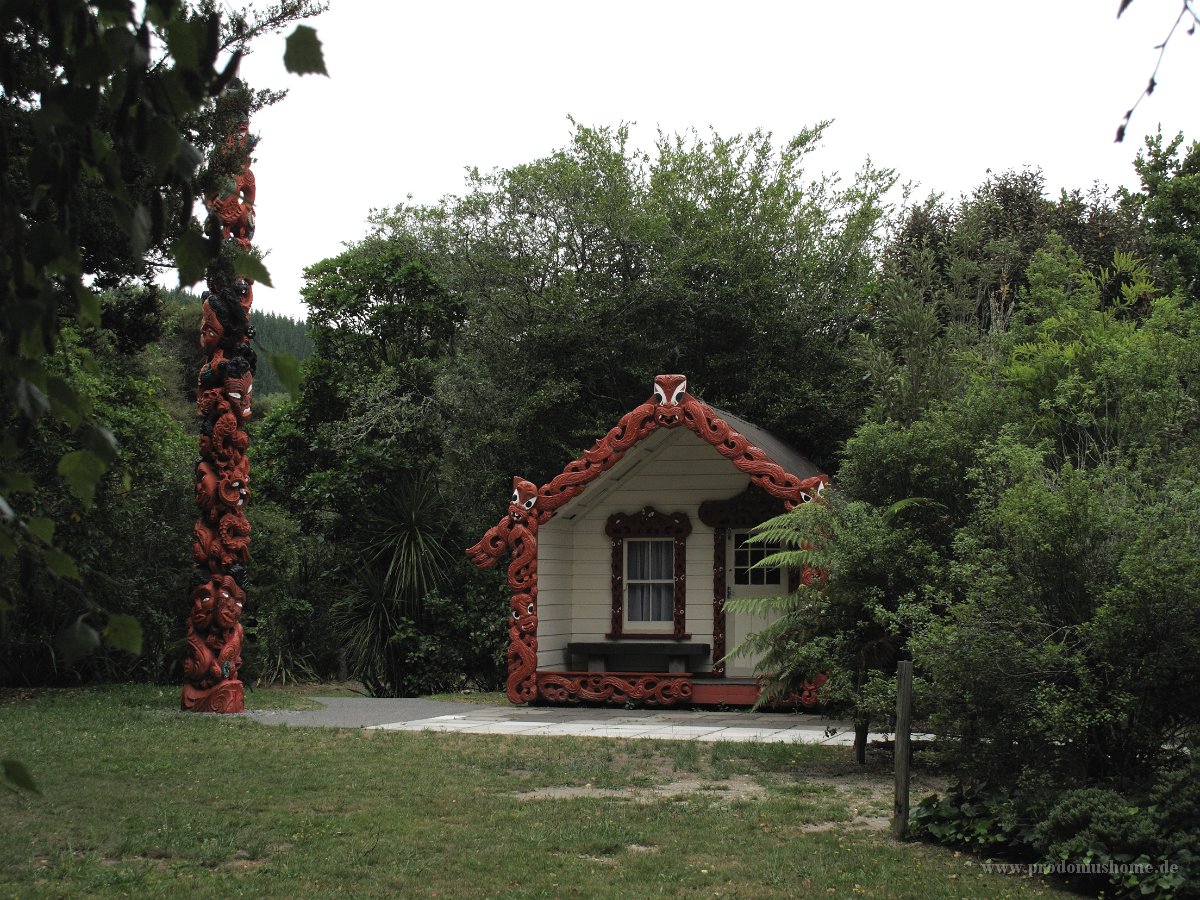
{"x": 410, "y": 714}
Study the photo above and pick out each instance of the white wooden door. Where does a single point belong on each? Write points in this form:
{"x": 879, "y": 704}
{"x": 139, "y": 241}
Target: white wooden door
{"x": 742, "y": 580}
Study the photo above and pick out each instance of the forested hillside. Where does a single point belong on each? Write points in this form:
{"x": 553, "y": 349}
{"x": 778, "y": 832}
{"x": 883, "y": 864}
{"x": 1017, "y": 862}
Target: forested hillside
{"x": 276, "y": 333}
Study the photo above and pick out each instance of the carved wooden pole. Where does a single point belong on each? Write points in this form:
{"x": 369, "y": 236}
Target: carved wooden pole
{"x": 223, "y": 394}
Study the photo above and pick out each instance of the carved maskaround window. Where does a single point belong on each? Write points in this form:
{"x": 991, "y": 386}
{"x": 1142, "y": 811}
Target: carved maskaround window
{"x": 649, "y": 562}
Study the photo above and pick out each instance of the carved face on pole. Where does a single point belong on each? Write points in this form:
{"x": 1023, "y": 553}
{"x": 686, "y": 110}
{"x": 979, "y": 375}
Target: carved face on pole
{"x": 669, "y": 391}
{"x": 229, "y": 603}
{"x": 211, "y": 329}
{"x": 238, "y": 392}
{"x": 522, "y": 506}
{"x": 524, "y": 614}
{"x": 203, "y": 604}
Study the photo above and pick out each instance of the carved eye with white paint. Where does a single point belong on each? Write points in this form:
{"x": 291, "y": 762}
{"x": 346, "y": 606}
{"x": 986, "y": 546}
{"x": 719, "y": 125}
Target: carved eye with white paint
{"x": 659, "y": 396}
{"x": 235, "y": 395}
{"x": 529, "y": 609}
{"x": 678, "y": 393}
{"x": 528, "y": 504}
{"x": 516, "y": 497}
{"x": 516, "y": 614}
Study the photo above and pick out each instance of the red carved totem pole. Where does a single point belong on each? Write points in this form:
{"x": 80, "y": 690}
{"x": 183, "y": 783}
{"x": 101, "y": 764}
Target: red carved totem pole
{"x": 223, "y": 394}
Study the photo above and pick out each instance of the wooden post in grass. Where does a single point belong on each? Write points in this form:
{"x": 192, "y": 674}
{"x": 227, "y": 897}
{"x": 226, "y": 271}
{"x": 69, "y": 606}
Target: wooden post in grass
{"x": 903, "y": 748}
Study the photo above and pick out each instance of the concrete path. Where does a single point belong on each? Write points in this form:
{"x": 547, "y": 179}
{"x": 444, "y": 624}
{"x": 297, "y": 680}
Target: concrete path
{"x": 673, "y": 725}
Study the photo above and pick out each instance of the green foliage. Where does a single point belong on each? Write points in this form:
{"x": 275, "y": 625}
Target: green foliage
{"x": 981, "y": 817}
{"x": 1170, "y": 206}
{"x": 1105, "y": 840}
{"x": 106, "y": 112}
{"x": 382, "y": 618}
{"x": 127, "y": 545}
{"x": 853, "y": 621}
{"x": 588, "y": 271}
{"x": 284, "y": 345}
{"x": 284, "y": 621}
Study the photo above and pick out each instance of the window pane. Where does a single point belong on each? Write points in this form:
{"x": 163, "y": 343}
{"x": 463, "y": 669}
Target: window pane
{"x": 663, "y": 554}
{"x": 650, "y": 560}
{"x": 637, "y": 560}
{"x": 664, "y": 602}
{"x": 639, "y": 603}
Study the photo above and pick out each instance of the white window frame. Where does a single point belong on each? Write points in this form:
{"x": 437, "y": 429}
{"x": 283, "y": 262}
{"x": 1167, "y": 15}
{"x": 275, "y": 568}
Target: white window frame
{"x": 653, "y": 625}
{"x": 746, "y": 555}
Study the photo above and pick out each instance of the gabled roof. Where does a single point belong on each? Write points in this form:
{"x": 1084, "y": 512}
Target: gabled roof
{"x": 771, "y": 464}
{"x": 787, "y": 457}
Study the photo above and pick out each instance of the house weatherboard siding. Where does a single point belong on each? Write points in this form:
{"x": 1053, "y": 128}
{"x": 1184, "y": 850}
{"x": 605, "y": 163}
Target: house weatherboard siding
{"x": 676, "y": 474}
{"x": 556, "y": 554}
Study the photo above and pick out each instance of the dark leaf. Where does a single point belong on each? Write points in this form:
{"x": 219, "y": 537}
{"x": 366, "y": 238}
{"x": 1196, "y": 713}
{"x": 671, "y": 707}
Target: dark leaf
{"x": 1120, "y": 134}
{"x": 41, "y": 527}
{"x": 1150, "y": 87}
{"x": 227, "y": 74}
{"x": 63, "y": 400}
{"x": 76, "y": 641}
{"x": 82, "y": 470}
{"x": 12, "y": 482}
{"x": 100, "y": 441}
{"x": 139, "y": 230}
{"x": 189, "y": 159}
{"x": 60, "y": 564}
{"x": 16, "y": 773}
{"x": 1124, "y": 4}
{"x": 191, "y": 254}
{"x": 30, "y": 399}
{"x": 288, "y": 370}
{"x": 89, "y": 308}
{"x": 124, "y": 633}
{"x": 251, "y": 267}
{"x": 162, "y": 143}
{"x": 303, "y": 55}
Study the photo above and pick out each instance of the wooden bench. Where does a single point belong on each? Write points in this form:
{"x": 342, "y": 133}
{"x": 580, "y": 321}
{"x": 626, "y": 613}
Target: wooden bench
{"x": 606, "y": 656}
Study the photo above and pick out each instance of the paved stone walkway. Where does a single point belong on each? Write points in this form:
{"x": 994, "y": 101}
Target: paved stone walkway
{"x": 672, "y": 725}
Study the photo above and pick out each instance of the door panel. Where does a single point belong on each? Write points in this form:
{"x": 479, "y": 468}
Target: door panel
{"x": 739, "y": 558}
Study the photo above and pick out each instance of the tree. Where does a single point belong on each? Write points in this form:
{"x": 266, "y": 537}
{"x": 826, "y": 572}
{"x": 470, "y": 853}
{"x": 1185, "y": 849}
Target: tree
{"x": 103, "y": 134}
{"x": 585, "y": 273}
{"x": 1169, "y": 204}
{"x": 104, "y": 113}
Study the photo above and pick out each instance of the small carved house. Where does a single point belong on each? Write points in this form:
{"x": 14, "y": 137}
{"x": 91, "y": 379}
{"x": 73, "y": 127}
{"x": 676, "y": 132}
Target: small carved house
{"x": 621, "y": 565}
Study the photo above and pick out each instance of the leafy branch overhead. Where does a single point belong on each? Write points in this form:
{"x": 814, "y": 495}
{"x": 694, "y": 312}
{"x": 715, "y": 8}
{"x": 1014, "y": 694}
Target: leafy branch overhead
{"x": 1186, "y": 12}
{"x": 107, "y": 112}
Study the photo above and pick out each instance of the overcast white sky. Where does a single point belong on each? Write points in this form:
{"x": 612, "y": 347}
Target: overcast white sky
{"x": 940, "y": 90}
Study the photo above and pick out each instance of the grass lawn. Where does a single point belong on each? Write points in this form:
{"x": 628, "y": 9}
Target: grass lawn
{"x": 139, "y": 800}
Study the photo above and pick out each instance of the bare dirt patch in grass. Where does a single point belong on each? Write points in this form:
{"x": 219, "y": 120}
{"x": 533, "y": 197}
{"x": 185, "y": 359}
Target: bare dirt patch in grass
{"x": 739, "y": 787}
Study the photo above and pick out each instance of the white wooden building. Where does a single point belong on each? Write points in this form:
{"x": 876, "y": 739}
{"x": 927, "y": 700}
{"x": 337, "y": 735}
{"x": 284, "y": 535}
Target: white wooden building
{"x": 637, "y": 546}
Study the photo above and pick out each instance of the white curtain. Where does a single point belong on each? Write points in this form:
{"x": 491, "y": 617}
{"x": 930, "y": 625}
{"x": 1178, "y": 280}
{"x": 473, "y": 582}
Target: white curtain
{"x": 650, "y": 580}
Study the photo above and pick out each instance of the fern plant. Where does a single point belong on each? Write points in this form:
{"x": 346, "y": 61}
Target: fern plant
{"x": 852, "y": 622}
